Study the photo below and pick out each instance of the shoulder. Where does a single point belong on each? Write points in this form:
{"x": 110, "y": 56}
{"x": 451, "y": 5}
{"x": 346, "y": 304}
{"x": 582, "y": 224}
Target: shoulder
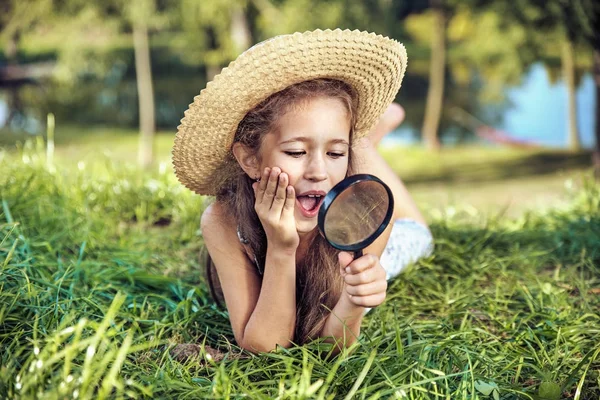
{"x": 216, "y": 221}
{"x": 219, "y": 231}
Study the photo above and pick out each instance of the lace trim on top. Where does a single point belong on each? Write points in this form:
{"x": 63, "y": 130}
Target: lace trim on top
{"x": 408, "y": 242}
{"x": 248, "y": 250}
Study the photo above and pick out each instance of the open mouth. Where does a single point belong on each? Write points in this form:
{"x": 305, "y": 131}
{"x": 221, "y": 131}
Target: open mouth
{"x": 309, "y": 204}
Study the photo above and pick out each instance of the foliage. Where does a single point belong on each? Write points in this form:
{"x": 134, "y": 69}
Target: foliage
{"x": 19, "y": 15}
{"x": 99, "y": 278}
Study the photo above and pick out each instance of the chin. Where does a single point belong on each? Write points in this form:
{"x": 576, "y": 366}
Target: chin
{"x": 304, "y": 227}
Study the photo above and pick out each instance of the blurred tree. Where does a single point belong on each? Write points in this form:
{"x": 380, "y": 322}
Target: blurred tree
{"x": 139, "y": 14}
{"x": 214, "y": 33}
{"x": 437, "y": 72}
{"x": 487, "y": 41}
{"x": 568, "y": 64}
{"x": 552, "y": 26}
{"x": 461, "y": 46}
{"x": 578, "y": 22}
{"x": 93, "y": 26}
{"x": 427, "y": 22}
{"x": 16, "y": 18}
{"x": 290, "y": 16}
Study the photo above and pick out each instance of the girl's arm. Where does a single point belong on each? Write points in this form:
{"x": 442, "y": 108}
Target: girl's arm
{"x": 343, "y": 324}
{"x": 364, "y": 286}
{"x": 263, "y": 314}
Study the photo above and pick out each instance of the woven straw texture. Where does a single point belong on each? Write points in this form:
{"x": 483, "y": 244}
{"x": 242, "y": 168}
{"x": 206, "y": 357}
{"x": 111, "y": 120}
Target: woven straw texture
{"x": 374, "y": 65}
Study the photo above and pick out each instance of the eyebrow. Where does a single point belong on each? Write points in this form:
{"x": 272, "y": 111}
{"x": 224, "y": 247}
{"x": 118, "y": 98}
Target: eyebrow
{"x": 305, "y": 139}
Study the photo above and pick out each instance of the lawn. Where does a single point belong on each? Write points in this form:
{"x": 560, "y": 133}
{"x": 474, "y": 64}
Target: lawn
{"x": 100, "y": 278}
{"x": 490, "y": 180}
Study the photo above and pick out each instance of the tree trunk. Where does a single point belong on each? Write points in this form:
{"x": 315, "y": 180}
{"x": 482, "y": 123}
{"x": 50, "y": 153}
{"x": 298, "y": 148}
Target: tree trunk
{"x": 437, "y": 68}
{"x": 143, "y": 72}
{"x": 568, "y": 70}
{"x": 211, "y": 72}
{"x": 596, "y": 156}
{"x": 10, "y": 50}
{"x": 14, "y": 104}
{"x": 240, "y": 31}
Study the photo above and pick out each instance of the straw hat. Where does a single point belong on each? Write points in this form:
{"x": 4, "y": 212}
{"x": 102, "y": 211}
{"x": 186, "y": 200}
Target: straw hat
{"x": 372, "y": 64}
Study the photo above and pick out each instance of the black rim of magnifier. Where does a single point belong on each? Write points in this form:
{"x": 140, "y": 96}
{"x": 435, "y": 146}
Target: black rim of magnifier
{"x": 333, "y": 194}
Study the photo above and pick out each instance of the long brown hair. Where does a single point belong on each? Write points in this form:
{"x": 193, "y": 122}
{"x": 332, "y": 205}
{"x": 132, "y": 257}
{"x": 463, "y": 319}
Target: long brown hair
{"x": 318, "y": 281}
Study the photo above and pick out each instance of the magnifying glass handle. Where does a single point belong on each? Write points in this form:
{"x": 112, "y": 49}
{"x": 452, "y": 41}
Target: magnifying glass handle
{"x": 358, "y": 253}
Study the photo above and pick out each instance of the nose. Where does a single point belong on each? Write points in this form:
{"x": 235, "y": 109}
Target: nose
{"x": 316, "y": 170}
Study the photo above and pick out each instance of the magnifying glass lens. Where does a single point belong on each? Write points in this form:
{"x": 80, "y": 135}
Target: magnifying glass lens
{"x": 356, "y": 212}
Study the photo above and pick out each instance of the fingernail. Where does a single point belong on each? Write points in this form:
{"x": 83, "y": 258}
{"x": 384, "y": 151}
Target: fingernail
{"x": 347, "y": 270}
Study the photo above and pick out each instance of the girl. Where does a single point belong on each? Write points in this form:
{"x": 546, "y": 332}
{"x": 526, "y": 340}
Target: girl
{"x": 269, "y": 137}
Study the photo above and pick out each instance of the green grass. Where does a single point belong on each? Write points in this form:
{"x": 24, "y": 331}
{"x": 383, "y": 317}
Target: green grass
{"x": 77, "y": 143}
{"x": 490, "y": 179}
{"x": 100, "y": 278}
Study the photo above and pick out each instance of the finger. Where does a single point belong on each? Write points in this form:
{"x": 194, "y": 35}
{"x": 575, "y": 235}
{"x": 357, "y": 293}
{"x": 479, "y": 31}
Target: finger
{"x": 271, "y": 187}
{"x": 362, "y": 264}
{"x": 280, "y": 194}
{"x": 368, "y": 276}
{"x": 262, "y": 185}
{"x": 290, "y": 202}
{"x": 367, "y": 289}
{"x": 368, "y": 301}
{"x": 344, "y": 258}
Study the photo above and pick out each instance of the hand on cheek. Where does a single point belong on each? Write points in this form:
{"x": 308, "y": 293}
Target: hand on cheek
{"x": 274, "y": 203}
{"x": 364, "y": 278}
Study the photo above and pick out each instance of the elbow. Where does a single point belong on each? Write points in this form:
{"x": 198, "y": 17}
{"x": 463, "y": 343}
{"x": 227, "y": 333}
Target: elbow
{"x": 261, "y": 342}
{"x": 256, "y": 339}
{"x": 262, "y": 346}
{"x": 340, "y": 344}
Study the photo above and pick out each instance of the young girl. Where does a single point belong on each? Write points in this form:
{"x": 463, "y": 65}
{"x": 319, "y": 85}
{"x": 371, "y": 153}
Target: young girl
{"x": 269, "y": 137}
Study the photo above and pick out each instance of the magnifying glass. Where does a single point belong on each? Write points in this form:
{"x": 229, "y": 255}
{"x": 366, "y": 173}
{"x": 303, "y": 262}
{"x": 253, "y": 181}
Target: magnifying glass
{"x": 355, "y": 212}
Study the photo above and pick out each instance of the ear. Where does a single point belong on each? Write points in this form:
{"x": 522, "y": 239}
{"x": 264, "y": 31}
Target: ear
{"x": 246, "y": 159}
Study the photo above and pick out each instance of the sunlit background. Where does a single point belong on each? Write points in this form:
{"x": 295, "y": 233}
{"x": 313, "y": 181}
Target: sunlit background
{"x": 490, "y": 84}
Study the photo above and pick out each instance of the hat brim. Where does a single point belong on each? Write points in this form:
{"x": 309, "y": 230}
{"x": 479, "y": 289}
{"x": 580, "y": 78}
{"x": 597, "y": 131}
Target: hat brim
{"x": 372, "y": 64}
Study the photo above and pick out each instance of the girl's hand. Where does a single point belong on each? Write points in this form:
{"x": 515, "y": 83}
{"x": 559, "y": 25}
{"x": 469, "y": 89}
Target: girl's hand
{"x": 275, "y": 202}
{"x": 365, "y": 279}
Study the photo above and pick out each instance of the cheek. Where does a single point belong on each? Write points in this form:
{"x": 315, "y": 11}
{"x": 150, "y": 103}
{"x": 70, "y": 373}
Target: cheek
{"x": 339, "y": 170}
{"x": 290, "y": 166}
{"x": 294, "y": 177}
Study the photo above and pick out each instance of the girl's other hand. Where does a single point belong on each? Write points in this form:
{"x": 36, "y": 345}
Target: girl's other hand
{"x": 274, "y": 204}
{"x": 364, "y": 278}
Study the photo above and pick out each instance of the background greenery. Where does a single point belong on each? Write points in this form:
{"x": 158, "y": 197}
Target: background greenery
{"x": 140, "y": 63}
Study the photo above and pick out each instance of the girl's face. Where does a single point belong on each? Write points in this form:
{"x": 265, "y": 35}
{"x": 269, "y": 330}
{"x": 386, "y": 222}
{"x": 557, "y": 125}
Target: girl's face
{"x": 310, "y": 144}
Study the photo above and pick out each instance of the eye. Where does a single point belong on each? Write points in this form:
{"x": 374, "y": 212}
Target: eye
{"x": 335, "y": 154}
{"x": 295, "y": 154}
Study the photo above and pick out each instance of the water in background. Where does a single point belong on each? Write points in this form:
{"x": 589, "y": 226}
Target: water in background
{"x": 537, "y": 112}
{"x": 540, "y": 110}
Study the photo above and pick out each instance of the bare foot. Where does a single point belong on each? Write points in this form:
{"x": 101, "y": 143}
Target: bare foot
{"x": 391, "y": 118}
